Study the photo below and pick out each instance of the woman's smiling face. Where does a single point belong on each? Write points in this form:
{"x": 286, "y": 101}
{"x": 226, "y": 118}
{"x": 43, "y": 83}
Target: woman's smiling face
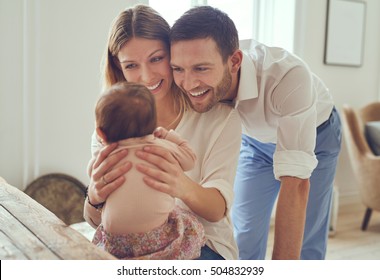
{"x": 147, "y": 62}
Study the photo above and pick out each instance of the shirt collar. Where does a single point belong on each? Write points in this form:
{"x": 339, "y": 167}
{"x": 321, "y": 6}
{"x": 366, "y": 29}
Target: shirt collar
{"x": 248, "y": 81}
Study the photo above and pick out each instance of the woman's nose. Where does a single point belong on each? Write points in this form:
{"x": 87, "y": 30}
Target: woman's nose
{"x": 146, "y": 75}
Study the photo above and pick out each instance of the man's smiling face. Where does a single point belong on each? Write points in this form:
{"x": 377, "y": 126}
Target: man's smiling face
{"x": 198, "y": 69}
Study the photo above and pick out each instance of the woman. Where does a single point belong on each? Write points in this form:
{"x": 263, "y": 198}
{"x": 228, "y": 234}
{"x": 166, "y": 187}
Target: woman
{"x": 138, "y": 51}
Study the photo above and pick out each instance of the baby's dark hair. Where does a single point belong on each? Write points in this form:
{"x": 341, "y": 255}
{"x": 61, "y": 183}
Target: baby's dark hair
{"x": 126, "y": 110}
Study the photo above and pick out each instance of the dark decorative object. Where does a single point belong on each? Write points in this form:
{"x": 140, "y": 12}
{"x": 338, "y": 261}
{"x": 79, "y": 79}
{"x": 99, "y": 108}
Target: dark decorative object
{"x": 61, "y": 194}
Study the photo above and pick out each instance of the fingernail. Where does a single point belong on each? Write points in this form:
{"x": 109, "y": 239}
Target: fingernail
{"x": 146, "y": 148}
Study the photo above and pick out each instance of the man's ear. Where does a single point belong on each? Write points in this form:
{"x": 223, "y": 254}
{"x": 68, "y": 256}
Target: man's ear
{"x": 101, "y": 135}
{"x": 236, "y": 59}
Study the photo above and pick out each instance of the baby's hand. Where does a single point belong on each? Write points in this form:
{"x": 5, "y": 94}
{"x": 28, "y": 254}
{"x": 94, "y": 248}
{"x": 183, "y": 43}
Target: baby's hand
{"x": 160, "y": 132}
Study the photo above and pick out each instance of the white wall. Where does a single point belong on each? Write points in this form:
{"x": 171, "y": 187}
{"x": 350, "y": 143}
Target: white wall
{"x": 356, "y": 86}
{"x": 50, "y": 53}
{"x": 50, "y": 56}
{"x": 11, "y": 85}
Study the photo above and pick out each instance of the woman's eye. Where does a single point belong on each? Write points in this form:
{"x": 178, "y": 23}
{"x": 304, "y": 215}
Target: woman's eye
{"x": 130, "y": 66}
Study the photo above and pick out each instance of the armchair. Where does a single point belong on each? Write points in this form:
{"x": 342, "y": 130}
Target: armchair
{"x": 366, "y": 165}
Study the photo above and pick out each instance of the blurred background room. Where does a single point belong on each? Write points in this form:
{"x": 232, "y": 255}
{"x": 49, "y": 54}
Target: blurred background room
{"x": 50, "y": 55}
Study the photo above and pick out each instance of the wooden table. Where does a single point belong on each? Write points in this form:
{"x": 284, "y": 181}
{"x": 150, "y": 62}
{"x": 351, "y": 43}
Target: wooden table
{"x": 30, "y": 231}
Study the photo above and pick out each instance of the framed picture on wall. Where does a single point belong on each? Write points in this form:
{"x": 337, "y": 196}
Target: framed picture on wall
{"x": 345, "y": 27}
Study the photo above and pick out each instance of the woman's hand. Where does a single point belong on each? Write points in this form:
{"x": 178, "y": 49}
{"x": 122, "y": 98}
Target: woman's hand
{"x": 169, "y": 177}
{"x": 104, "y": 180}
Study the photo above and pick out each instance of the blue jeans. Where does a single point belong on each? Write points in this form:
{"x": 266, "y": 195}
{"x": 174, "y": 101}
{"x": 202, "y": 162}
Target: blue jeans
{"x": 208, "y": 254}
{"x": 256, "y": 191}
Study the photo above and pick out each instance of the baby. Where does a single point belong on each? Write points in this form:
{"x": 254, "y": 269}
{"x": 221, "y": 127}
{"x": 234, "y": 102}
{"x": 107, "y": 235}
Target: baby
{"x": 139, "y": 222}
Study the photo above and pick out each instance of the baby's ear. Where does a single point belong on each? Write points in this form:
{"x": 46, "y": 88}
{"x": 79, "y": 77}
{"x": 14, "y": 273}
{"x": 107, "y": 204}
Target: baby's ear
{"x": 101, "y": 135}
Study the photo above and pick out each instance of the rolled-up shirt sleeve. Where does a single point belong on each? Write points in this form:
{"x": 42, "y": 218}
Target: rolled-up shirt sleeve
{"x": 295, "y": 101}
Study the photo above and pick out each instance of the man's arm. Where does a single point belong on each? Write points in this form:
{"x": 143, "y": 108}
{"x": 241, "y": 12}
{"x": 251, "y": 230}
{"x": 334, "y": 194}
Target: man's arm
{"x": 290, "y": 218}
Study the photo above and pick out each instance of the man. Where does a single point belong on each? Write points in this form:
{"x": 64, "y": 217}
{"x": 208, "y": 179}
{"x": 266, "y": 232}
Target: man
{"x": 292, "y": 132}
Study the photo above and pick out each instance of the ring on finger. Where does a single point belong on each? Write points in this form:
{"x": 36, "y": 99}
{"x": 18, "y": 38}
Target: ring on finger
{"x": 104, "y": 181}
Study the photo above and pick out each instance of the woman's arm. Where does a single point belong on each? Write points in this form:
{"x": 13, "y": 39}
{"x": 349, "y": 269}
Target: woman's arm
{"x": 170, "y": 178}
{"x": 211, "y": 195}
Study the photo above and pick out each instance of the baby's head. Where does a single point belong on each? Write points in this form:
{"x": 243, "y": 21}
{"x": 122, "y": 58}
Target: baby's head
{"x": 125, "y": 110}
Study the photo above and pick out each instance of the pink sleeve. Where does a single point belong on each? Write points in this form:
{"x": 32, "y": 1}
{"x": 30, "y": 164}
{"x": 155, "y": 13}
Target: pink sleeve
{"x": 184, "y": 153}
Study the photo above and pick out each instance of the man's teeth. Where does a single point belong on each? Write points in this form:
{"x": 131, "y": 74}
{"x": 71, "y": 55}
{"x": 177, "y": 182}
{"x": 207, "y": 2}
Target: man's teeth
{"x": 154, "y": 86}
{"x": 198, "y": 93}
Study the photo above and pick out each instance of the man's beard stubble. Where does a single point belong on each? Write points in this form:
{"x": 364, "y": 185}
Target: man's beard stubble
{"x": 220, "y": 92}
